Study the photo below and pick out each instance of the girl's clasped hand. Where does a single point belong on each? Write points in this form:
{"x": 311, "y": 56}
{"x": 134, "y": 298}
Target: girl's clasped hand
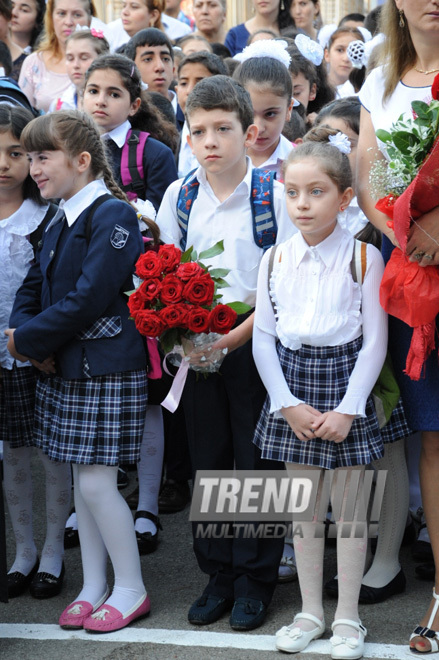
{"x": 307, "y": 423}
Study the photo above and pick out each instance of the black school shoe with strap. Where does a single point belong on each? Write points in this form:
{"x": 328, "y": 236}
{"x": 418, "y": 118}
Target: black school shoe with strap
{"x": 46, "y": 585}
{"x": 18, "y": 583}
{"x": 146, "y": 541}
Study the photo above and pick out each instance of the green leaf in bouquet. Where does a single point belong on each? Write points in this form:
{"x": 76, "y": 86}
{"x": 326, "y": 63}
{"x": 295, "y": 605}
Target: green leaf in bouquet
{"x": 220, "y": 283}
{"x": 404, "y": 140}
{"x": 186, "y": 256}
{"x": 383, "y": 135}
{"x": 219, "y": 272}
{"x": 216, "y": 249}
{"x": 421, "y": 109}
{"x": 239, "y": 307}
{"x": 128, "y": 293}
{"x": 194, "y": 255}
{"x": 169, "y": 339}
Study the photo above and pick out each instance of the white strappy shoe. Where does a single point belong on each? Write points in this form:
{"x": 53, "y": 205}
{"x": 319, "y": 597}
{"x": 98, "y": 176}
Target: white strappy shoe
{"x": 293, "y": 639}
{"x": 427, "y": 632}
{"x": 348, "y": 648}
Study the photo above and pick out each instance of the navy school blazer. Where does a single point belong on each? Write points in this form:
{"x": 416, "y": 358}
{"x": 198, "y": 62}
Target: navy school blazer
{"x": 72, "y": 302}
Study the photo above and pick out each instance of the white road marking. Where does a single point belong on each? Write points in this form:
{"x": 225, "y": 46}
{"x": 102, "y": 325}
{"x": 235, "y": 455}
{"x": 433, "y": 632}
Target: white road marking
{"x": 194, "y": 638}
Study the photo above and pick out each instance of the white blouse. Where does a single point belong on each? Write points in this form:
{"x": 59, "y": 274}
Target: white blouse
{"x": 318, "y": 303}
{"x": 16, "y": 255}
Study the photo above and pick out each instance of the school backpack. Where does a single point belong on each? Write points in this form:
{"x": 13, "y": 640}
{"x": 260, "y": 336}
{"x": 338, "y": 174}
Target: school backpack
{"x": 131, "y": 164}
{"x": 261, "y": 202}
{"x": 11, "y": 94}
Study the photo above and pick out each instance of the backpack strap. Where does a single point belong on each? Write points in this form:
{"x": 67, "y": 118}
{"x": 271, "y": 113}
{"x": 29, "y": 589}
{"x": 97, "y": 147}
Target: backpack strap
{"x": 186, "y": 197}
{"x": 131, "y": 164}
{"x": 88, "y": 227}
{"x": 359, "y": 261}
{"x": 261, "y": 201}
{"x": 36, "y": 237}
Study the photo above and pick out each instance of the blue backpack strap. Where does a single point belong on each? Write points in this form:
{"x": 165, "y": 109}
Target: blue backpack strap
{"x": 186, "y": 197}
{"x": 261, "y": 201}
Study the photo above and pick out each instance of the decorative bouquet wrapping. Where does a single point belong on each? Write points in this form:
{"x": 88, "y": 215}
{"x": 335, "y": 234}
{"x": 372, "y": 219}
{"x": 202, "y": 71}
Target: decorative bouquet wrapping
{"x": 408, "y": 187}
{"x": 178, "y": 302}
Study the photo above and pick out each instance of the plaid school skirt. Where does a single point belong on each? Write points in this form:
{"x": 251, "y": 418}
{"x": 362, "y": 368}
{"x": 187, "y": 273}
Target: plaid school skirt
{"x": 319, "y": 376}
{"x": 90, "y": 421}
{"x": 17, "y": 403}
{"x": 397, "y": 427}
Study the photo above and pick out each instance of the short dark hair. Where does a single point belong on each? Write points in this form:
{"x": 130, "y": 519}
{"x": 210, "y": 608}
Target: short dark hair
{"x": 267, "y": 73}
{"x": 5, "y": 58}
{"x": 213, "y": 63}
{"x": 355, "y": 16}
{"x": 222, "y": 93}
{"x": 347, "y": 108}
{"x": 147, "y": 37}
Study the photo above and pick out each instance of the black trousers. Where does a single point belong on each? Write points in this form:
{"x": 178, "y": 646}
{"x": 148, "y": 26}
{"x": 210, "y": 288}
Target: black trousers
{"x": 221, "y": 413}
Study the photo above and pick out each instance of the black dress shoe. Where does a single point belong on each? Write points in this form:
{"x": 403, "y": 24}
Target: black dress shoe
{"x": 174, "y": 496}
{"x": 371, "y": 595}
{"x": 71, "y": 538}
{"x": 247, "y": 614}
{"x": 18, "y": 583}
{"x": 208, "y": 609}
{"x": 146, "y": 541}
{"x": 45, "y": 585}
{"x": 426, "y": 571}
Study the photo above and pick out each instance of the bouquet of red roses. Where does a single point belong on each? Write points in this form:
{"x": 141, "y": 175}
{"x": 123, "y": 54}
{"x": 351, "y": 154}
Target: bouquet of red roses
{"x": 408, "y": 291}
{"x": 179, "y": 303}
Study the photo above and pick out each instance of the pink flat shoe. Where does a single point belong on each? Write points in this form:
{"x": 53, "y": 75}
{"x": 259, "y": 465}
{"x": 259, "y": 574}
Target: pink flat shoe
{"x": 107, "y": 618}
{"x": 75, "y": 614}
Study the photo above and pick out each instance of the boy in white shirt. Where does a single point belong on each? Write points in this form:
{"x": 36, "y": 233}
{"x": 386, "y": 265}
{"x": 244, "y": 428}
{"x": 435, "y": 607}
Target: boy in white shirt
{"x": 221, "y": 410}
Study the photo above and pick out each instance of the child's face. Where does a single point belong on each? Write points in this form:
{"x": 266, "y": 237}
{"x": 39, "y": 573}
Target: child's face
{"x": 55, "y": 174}
{"x": 14, "y": 166}
{"x": 190, "y": 74}
{"x": 107, "y": 100}
{"x": 313, "y": 200}
{"x": 270, "y": 114}
{"x": 339, "y": 63}
{"x": 156, "y": 67}
{"x": 193, "y": 46}
{"x": 79, "y": 55}
{"x": 303, "y": 91}
{"x": 218, "y": 141}
{"x": 136, "y": 16}
{"x": 340, "y": 125}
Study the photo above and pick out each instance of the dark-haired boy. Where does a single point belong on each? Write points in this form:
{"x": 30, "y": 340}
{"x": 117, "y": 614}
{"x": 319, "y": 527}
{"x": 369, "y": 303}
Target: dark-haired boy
{"x": 221, "y": 411}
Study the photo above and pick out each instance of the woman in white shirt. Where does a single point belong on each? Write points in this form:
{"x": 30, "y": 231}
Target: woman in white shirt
{"x": 320, "y": 341}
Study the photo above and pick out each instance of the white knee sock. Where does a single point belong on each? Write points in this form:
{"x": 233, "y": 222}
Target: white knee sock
{"x": 393, "y": 516}
{"x": 58, "y": 496}
{"x": 149, "y": 469}
{"x": 113, "y": 519}
{"x": 18, "y": 494}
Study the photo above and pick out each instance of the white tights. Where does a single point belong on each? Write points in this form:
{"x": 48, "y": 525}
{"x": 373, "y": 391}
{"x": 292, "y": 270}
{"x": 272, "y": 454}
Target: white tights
{"x": 105, "y": 524}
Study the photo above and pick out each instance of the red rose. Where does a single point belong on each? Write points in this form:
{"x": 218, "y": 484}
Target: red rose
{"x": 198, "y": 319}
{"x": 435, "y": 88}
{"x": 222, "y": 319}
{"x": 136, "y": 303}
{"x": 186, "y": 271}
{"x": 170, "y": 256}
{"x": 149, "y": 323}
{"x": 386, "y": 204}
{"x": 148, "y": 265}
{"x": 150, "y": 289}
{"x": 174, "y": 316}
{"x": 171, "y": 291}
{"x": 199, "y": 290}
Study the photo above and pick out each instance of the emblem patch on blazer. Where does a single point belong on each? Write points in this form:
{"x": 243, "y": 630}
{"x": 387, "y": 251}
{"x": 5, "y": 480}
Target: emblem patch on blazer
{"x": 119, "y": 237}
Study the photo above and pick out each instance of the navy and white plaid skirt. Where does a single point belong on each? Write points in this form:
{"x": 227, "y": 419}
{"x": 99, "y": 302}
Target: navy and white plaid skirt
{"x": 17, "y": 404}
{"x": 319, "y": 376}
{"x": 397, "y": 427}
{"x": 97, "y": 420}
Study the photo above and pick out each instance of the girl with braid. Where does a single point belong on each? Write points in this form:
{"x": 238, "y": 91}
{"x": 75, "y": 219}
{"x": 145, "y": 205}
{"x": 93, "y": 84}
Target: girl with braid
{"x": 71, "y": 318}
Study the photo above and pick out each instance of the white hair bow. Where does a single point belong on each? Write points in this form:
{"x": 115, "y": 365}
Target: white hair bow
{"x": 341, "y": 142}
{"x": 309, "y": 49}
{"x": 275, "y": 48}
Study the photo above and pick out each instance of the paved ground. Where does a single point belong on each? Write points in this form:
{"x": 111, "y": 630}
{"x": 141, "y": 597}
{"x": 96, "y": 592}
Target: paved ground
{"x": 28, "y": 627}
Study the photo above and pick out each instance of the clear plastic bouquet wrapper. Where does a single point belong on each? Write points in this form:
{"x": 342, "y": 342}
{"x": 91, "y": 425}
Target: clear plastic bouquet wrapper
{"x": 406, "y": 187}
{"x": 178, "y": 302}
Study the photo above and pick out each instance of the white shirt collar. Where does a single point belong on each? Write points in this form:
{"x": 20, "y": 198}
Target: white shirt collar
{"x": 281, "y": 153}
{"x": 326, "y": 250}
{"x": 173, "y": 99}
{"x": 118, "y": 134}
{"x": 79, "y": 202}
{"x": 243, "y": 186}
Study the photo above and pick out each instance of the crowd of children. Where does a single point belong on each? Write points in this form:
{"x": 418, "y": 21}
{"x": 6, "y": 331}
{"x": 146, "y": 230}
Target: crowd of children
{"x": 99, "y": 175}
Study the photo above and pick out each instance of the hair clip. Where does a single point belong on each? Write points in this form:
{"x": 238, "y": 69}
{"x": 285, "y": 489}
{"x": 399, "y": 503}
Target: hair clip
{"x": 274, "y": 48}
{"x": 143, "y": 85}
{"x": 355, "y": 51}
{"x": 325, "y": 34}
{"x": 97, "y": 33}
{"x": 309, "y": 49}
{"x": 132, "y": 71}
{"x": 341, "y": 142}
{"x": 81, "y": 28}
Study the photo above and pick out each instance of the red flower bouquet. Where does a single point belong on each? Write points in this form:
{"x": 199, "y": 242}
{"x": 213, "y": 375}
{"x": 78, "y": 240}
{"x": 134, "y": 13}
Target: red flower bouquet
{"x": 408, "y": 291}
{"x": 178, "y": 302}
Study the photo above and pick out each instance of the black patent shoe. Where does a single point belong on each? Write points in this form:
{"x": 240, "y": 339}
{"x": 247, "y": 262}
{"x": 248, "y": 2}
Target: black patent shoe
{"x": 45, "y": 585}
{"x": 18, "y": 583}
{"x": 146, "y": 541}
